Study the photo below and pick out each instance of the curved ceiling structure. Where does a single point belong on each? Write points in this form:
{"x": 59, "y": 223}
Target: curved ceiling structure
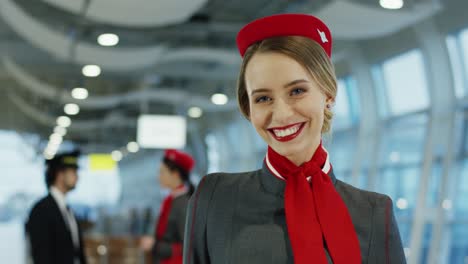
{"x": 165, "y": 95}
{"x": 111, "y": 59}
{"x": 111, "y": 121}
{"x": 134, "y": 13}
{"x": 64, "y": 47}
{"x": 220, "y": 56}
{"x": 354, "y": 21}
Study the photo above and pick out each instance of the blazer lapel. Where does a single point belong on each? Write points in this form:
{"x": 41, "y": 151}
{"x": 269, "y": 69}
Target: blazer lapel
{"x": 55, "y": 210}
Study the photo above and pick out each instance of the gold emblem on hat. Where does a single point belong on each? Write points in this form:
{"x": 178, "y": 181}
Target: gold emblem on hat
{"x": 70, "y": 160}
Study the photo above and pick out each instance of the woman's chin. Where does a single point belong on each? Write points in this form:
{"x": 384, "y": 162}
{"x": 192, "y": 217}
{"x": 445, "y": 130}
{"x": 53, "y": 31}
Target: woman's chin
{"x": 287, "y": 150}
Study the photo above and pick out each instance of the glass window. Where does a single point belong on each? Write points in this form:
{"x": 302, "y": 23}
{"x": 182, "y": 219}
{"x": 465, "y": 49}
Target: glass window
{"x": 461, "y": 201}
{"x": 22, "y": 181}
{"x": 459, "y": 243}
{"x": 405, "y": 83}
{"x": 355, "y": 104}
{"x": 401, "y": 184}
{"x": 400, "y": 158}
{"x": 346, "y": 107}
{"x": 363, "y": 179}
{"x": 341, "y": 108}
{"x": 403, "y": 140}
{"x": 342, "y": 150}
{"x": 212, "y": 153}
{"x": 381, "y": 93}
{"x": 22, "y": 171}
{"x": 89, "y": 189}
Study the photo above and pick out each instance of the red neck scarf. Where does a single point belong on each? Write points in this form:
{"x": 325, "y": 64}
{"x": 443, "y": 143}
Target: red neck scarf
{"x": 315, "y": 212}
{"x": 161, "y": 225}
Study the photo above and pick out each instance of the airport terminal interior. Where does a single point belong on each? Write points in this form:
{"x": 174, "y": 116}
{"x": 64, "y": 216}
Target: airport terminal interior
{"x": 124, "y": 80}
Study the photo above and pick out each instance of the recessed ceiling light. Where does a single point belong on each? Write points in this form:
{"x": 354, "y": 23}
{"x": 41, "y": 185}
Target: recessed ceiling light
{"x": 195, "y": 112}
{"x": 63, "y": 121}
{"x": 48, "y": 156}
{"x": 402, "y": 203}
{"x": 219, "y": 99}
{"x": 79, "y": 93}
{"x": 49, "y": 153}
{"x": 53, "y": 147}
{"x": 71, "y": 109}
{"x": 55, "y": 139}
{"x": 60, "y": 130}
{"x": 133, "y": 147}
{"x": 91, "y": 70}
{"x": 116, "y": 155}
{"x": 108, "y": 39}
{"x": 391, "y": 4}
{"x": 447, "y": 204}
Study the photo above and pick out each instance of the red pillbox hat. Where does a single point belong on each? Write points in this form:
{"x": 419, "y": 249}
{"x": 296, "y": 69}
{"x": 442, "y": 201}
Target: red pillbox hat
{"x": 180, "y": 158}
{"x": 285, "y": 25}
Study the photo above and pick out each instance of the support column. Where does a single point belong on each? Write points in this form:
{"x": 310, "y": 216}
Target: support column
{"x": 439, "y": 141}
{"x": 368, "y": 128}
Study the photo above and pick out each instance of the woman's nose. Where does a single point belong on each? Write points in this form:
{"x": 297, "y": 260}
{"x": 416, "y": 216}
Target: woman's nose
{"x": 282, "y": 111}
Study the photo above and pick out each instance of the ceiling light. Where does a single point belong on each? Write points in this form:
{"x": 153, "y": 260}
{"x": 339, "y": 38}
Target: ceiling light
{"x": 71, "y": 109}
{"x": 402, "y": 203}
{"x": 48, "y": 156}
{"x": 391, "y": 4}
{"x": 91, "y": 70}
{"x": 195, "y": 112}
{"x": 116, "y": 155}
{"x": 133, "y": 147}
{"x": 79, "y": 93}
{"x": 108, "y": 39}
{"x": 60, "y": 130}
{"x": 447, "y": 204}
{"x": 49, "y": 153}
{"x": 52, "y": 148}
{"x": 55, "y": 139}
{"x": 63, "y": 121}
{"x": 219, "y": 99}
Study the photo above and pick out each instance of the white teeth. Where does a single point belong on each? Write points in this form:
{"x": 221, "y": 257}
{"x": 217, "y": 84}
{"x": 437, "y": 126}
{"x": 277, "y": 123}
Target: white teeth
{"x": 286, "y": 132}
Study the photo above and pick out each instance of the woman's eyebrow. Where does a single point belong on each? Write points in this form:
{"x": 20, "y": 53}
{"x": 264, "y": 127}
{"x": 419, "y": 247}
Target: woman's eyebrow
{"x": 259, "y": 90}
{"x": 295, "y": 82}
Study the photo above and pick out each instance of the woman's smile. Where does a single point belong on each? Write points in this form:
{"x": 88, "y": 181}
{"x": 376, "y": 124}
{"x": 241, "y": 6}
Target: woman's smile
{"x": 286, "y": 133}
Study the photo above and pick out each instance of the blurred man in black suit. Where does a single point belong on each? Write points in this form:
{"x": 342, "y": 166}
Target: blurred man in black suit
{"x": 54, "y": 234}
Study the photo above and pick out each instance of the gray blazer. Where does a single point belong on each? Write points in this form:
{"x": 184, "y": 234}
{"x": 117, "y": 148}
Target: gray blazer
{"x": 239, "y": 218}
{"x": 174, "y": 234}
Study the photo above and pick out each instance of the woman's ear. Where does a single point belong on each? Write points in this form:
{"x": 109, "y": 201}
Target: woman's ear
{"x": 329, "y": 102}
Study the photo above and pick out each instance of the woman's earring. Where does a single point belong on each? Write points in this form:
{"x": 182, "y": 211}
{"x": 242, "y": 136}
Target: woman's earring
{"x": 329, "y": 106}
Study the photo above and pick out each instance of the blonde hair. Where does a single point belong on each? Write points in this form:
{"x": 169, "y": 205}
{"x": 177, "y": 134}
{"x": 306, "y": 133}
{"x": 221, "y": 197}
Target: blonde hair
{"x": 306, "y": 52}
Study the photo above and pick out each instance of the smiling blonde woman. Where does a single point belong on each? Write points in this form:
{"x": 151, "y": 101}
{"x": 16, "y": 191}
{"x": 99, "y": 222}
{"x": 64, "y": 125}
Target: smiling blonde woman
{"x": 293, "y": 210}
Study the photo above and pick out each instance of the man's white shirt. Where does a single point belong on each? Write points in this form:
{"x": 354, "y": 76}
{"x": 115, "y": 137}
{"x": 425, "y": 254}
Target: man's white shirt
{"x": 67, "y": 214}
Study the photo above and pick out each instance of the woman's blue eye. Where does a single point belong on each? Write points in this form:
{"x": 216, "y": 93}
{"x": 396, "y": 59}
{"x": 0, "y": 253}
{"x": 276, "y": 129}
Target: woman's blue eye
{"x": 297, "y": 91}
{"x": 261, "y": 99}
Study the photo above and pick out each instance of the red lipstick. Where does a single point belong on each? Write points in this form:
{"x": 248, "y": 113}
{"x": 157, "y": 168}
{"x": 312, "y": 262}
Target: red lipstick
{"x": 288, "y": 137}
